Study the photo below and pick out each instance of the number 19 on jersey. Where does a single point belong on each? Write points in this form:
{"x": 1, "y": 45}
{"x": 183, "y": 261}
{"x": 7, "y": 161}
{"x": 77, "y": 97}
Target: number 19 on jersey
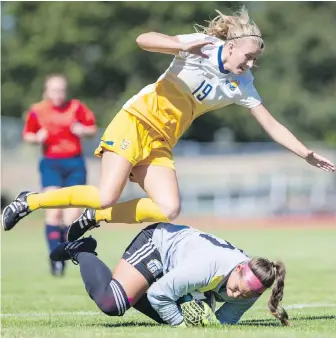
{"x": 202, "y": 91}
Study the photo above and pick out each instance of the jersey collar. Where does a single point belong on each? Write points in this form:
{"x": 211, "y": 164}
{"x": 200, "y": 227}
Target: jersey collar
{"x": 220, "y": 62}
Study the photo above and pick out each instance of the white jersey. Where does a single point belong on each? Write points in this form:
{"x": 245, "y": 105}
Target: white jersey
{"x": 194, "y": 261}
{"x": 190, "y": 87}
{"x": 211, "y": 86}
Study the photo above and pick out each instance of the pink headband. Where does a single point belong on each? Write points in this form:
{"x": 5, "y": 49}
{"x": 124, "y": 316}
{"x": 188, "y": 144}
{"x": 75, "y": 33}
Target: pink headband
{"x": 252, "y": 280}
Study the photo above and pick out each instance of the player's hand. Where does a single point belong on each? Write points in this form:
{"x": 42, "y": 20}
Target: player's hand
{"x": 195, "y": 48}
{"x": 319, "y": 161}
{"x": 198, "y": 313}
{"x": 41, "y": 135}
{"x": 78, "y": 129}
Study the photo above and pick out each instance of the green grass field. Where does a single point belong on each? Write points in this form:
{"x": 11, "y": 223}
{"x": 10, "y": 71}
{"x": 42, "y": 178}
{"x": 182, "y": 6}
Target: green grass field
{"x": 35, "y": 304}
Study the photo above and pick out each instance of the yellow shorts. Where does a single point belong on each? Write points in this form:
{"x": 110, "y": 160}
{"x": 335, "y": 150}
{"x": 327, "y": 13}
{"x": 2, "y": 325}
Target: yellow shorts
{"x": 136, "y": 141}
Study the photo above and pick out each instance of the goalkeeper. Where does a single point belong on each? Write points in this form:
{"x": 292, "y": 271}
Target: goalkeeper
{"x": 164, "y": 264}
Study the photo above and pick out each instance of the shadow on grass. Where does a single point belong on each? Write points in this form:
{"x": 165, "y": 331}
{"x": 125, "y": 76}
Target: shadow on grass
{"x": 126, "y": 324}
{"x": 251, "y": 322}
{"x": 274, "y": 322}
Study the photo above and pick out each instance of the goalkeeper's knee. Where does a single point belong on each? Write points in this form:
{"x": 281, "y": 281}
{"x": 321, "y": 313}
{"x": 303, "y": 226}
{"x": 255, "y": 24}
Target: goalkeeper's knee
{"x": 113, "y": 301}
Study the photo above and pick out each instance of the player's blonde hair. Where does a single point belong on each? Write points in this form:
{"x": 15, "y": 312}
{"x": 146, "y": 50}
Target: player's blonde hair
{"x": 232, "y": 27}
{"x": 272, "y": 273}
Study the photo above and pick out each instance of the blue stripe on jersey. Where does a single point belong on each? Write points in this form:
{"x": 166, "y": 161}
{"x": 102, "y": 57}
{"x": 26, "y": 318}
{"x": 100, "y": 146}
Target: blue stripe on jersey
{"x": 220, "y": 63}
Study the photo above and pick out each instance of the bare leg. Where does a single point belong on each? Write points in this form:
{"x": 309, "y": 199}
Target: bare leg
{"x": 161, "y": 185}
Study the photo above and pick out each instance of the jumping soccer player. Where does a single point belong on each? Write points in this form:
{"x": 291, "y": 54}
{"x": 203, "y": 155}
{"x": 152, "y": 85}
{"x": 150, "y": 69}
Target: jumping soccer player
{"x": 211, "y": 70}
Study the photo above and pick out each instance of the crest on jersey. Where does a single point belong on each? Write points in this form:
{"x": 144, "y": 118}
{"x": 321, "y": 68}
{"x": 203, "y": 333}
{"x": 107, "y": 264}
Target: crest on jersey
{"x": 233, "y": 84}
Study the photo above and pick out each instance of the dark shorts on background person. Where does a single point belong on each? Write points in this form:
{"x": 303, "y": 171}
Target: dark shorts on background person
{"x": 62, "y": 172}
{"x": 144, "y": 256}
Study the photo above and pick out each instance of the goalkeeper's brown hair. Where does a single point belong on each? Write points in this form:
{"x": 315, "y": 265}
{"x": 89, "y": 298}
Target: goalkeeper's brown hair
{"x": 272, "y": 274}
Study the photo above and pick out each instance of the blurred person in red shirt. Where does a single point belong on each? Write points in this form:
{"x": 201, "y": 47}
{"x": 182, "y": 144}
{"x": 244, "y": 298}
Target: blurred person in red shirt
{"x": 58, "y": 124}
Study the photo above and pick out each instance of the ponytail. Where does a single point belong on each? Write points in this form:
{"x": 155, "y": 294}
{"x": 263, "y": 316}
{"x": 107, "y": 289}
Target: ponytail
{"x": 272, "y": 274}
{"x": 277, "y": 294}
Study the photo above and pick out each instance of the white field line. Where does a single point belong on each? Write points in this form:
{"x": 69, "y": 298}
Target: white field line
{"x": 94, "y": 313}
{"x": 305, "y": 306}
{"x": 52, "y": 314}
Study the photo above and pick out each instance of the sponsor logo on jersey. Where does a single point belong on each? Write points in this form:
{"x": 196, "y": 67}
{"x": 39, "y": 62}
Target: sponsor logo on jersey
{"x": 124, "y": 144}
{"x": 155, "y": 267}
{"x": 233, "y": 84}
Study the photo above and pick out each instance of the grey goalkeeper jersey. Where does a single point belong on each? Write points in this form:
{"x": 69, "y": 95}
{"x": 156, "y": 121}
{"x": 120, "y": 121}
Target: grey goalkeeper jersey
{"x": 194, "y": 261}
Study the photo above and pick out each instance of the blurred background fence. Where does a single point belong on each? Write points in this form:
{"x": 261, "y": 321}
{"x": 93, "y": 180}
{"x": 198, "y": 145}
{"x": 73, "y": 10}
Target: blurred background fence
{"x": 226, "y": 164}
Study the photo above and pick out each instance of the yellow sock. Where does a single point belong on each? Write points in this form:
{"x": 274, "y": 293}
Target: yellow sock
{"x": 134, "y": 211}
{"x": 85, "y": 196}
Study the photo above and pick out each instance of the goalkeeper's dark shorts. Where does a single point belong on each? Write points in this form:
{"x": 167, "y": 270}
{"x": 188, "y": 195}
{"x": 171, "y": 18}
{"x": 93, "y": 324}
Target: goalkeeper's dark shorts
{"x": 144, "y": 256}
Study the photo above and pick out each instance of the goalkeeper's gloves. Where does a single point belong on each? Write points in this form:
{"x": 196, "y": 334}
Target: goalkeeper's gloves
{"x": 198, "y": 313}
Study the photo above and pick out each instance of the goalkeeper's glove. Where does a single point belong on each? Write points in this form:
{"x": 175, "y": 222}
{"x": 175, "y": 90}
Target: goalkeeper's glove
{"x": 198, "y": 313}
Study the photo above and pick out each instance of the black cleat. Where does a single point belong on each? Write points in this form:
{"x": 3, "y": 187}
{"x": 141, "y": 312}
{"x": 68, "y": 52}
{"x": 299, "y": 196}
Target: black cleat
{"x": 69, "y": 250}
{"x": 57, "y": 268}
{"x": 16, "y": 210}
{"x": 81, "y": 225}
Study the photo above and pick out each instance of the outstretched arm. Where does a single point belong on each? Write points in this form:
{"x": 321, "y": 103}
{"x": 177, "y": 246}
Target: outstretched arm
{"x": 166, "y": 44}
{"x": 283, "y": 136}
{"x": 157, "y": 42}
